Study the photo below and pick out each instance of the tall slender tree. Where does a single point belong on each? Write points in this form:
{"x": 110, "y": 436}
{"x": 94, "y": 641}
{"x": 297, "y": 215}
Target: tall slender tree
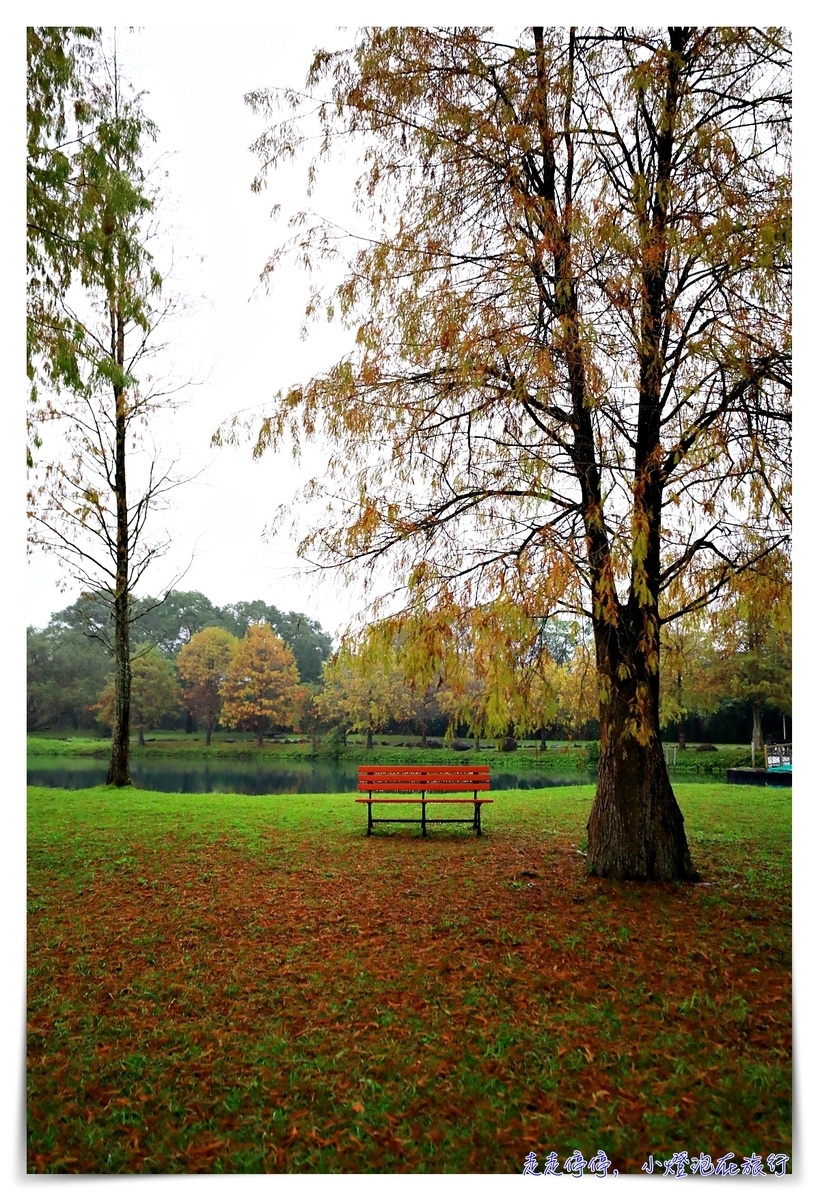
{"x": 91, "y": 341}
{"x": 570, "y": 379}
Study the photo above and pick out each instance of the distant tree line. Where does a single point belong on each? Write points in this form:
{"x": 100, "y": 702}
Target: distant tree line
{"x": 69, "y": 661}
{"x": 726, "y": 673}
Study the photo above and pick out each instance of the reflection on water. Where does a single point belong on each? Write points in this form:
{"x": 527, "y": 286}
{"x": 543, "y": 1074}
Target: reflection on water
{"x": 247, "y": 778}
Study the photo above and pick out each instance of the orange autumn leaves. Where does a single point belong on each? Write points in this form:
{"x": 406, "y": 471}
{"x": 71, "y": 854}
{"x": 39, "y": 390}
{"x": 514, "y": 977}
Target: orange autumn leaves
{"x": 366, "y": 1008}
{"x": 248, "y": 684}
{"x": 203, "y": 665}
{"x": 261, "y": 688}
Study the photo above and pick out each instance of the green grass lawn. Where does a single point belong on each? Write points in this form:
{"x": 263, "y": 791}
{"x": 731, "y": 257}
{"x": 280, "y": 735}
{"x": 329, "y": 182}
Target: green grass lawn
{"x": 243, "y": 983}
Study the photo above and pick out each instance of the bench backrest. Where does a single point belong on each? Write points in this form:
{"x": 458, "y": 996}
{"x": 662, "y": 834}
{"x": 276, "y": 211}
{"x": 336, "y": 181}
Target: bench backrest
{"x": 442, "y": 778}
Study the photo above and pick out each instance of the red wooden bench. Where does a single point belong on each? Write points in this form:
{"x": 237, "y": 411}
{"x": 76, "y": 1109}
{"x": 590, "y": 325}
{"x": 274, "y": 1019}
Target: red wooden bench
{"x": 436, "y": 781}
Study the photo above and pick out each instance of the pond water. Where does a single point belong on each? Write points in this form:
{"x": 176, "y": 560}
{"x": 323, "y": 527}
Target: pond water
{"x": 247, "y": 778}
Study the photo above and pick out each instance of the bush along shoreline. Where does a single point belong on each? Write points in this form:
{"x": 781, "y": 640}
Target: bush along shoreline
{"x": 572, "y": 757}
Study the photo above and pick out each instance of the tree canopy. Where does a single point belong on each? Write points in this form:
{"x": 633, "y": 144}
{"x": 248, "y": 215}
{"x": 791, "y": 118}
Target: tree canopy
{"x": 363, "y": 689}
{"x": 203, "y": 664}
{"x": 170, "y": 621}
{"x": 261, "y": 686}
{"x": 70, "y": 659}
{"x": 752, "y": 634}
{"x": 310, "y": 644}
{"x": 66, "y": 673}
{"x": 57, "y": 60}
{"x": 570, "y": 383}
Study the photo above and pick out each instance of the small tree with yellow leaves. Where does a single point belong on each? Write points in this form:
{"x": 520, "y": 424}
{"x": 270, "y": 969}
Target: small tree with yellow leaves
{"x": 203, "y": 663}
{"x": 362, "y": 689}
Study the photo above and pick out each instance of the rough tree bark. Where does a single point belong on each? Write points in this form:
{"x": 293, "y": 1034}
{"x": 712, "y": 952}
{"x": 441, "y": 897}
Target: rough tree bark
{"x": 636, "y": 828}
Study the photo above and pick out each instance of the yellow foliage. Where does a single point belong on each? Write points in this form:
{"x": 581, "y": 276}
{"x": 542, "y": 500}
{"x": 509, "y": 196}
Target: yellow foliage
{"x": 203, "y": 664}
{"x": 261, "y": 685}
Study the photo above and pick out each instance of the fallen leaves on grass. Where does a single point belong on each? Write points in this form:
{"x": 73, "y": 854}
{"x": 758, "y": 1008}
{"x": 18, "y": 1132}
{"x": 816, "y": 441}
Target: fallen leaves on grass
{"x": 391, "y": 1004}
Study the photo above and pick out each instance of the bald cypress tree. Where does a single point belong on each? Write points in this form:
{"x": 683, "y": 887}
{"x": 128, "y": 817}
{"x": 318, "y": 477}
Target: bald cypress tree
{"x": 568, "y": 387}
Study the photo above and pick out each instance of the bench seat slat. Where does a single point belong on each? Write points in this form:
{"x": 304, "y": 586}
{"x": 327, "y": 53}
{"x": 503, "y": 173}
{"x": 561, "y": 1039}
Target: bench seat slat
{"x": 442, "y": 776}
{"x": 415, "y": 786}
{"x": 429, "y": 800}
{"x": 431, "y": 780}
{"x": 440, "y": 768}
{"x": 444, "y": 770}
{"x": 403, "y": 785}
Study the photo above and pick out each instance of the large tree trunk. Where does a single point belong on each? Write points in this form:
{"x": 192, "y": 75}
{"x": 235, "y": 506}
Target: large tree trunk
{"x": 119, "y": 772}
{"x": 369, "y": 738}
{"x": 141, "y": 738}
{"x": 636, "y": 828}
{"x": 682, "y": 740}
{"x": 208, "y": 735}
{"x": 260, "y": 735}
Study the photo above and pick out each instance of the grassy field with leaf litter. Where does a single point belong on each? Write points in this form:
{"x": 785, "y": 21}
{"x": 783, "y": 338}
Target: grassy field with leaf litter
{"x": 246, "y": 984}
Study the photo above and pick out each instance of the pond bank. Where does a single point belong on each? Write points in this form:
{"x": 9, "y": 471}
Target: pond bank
{"x": 573, "y": 759}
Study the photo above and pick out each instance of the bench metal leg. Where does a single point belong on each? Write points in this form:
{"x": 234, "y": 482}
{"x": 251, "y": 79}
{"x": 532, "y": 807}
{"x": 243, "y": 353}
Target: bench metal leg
{"x": 475, "y": 821}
